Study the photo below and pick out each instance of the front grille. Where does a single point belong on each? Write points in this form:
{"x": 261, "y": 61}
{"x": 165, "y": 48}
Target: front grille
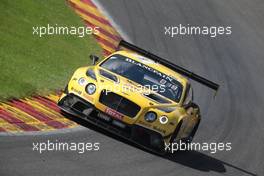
{"x": 119, "y": 103}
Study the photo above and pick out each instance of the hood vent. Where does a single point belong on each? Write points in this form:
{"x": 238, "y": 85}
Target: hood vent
{"x": 157, "y": 98}
{"x": 108, "y": 75}
{"x": 161, "y": 100}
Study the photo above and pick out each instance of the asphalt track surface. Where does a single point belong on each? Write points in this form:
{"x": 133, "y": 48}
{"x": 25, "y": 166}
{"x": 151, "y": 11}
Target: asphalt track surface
{"x": 236, "y": 62}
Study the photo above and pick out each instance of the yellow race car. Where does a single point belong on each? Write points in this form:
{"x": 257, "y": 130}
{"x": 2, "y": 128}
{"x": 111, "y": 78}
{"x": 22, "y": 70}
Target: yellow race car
{"x": 136, "y": 95}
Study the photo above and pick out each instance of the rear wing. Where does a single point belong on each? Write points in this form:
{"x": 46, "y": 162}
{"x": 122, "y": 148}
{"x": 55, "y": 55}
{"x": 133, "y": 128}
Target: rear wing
{"x": 170, "y": 65}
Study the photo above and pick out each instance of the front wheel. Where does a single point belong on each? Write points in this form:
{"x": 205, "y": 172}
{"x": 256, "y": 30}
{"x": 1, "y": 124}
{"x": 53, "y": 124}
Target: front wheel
{"x": 192, "y": 134}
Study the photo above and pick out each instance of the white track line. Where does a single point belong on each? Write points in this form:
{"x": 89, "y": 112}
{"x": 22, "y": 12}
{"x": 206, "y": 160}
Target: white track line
{"x": 43, "y": 133}
{"x": 111, "y": 20}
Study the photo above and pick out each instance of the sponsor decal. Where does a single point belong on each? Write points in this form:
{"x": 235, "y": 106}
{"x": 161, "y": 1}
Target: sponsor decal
{"x": 144, "y": 123}
{"x": 165, "y": 80}
{"x": 76, "y": 91}
{"x": 103, "y": 116}
{"x": 162, "y": 75}
{"x": 114, "y": 113}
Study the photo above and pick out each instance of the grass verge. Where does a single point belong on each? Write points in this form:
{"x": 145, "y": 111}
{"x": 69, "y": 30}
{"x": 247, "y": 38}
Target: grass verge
{"x": 32, "y": 64}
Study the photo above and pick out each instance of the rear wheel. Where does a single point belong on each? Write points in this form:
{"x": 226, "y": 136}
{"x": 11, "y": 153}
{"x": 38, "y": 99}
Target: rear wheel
{"x": 193, "y": 108}
{"x": 194, "y": 130}
{"x": 175, "y": 133}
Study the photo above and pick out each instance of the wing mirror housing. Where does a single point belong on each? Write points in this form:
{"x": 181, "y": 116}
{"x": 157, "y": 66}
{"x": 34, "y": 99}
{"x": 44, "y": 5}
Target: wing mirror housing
{"x": 94, "y": 59}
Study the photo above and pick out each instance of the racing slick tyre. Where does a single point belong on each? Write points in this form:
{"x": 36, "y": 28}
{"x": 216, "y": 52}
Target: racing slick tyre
{"x": 187, "y": 140}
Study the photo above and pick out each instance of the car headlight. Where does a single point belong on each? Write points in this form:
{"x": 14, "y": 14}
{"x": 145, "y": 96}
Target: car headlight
{"x": 90, "y": 88}
{"x": 163, "y": 119}
{"x": 82, "y": 82}
{"x": 150, "y": 116}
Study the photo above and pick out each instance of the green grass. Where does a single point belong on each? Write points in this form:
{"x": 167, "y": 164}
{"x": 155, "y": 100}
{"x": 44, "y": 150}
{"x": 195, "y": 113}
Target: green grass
{"x": 30, "y": 64}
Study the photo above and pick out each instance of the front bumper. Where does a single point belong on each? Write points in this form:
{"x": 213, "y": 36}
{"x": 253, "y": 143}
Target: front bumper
{"x": 143, "y": 137}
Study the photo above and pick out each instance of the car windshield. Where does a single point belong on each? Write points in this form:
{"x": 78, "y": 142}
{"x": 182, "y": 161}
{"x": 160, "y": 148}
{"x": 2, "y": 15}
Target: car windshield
{"x": 144, "y": 75}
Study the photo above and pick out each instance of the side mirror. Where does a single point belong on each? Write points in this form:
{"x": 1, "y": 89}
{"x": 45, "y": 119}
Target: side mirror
{"x": 94, "y": 59}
